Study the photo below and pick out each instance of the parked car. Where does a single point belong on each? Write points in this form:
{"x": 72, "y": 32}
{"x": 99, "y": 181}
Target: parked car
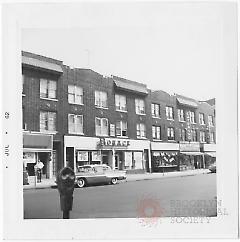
{"x": 98, "y": 174}
{"x": 213, "y": 168}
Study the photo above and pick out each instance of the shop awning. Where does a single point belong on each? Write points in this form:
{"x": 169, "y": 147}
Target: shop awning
{"x": 212, "y": 154}
{"x": 131, "y": 86}
{"x": 41, "y": 64}
{"x": 37, "y": 142}
{"x": 192, "y": 153}
{"x": 187, "y": 102}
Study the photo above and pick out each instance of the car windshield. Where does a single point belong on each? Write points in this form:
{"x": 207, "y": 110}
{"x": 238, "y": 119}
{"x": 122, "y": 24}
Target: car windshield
{"x": 84, "y": 168}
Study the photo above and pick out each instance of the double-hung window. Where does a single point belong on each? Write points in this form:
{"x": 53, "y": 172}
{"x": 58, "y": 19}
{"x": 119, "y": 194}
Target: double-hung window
{"x": 169, "y": 112}
{"x": 156, "y": 132}
{"x": 191, "y": 117}
{"x": 170, "y": 133}
{"x": 101, "y": 99}
{"x": 141, "y": 130}
{"x": 210, "y": 120}
{"x": 181, "y": 115}
{"x": 23, "y": 81}
{"x": 183, "y": 134}
{"x": 155, "y": 110}
{"x": 211, "y": 136}
{"x": 101, "y": 126}
{"x": 75, "y": 124}
{"x": 120, "y": 102}
{"x": 121, "y": 128}
{"x": 75, "y": 94}
{"x": 202, "y": 136}
{"x": 201, "y": 119}
{"x": 194, "y": 135}
{"x": 47, "y": 121}
{"x": 48, "y": 89}
{"x": 140, "y": 106}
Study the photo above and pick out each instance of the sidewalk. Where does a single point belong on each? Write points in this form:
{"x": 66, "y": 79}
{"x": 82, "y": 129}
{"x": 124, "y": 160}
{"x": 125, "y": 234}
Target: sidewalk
{"x": 47, "y": 183}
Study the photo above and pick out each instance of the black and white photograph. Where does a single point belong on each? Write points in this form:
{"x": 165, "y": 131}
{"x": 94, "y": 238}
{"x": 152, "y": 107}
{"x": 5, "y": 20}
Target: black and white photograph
{"x": 118, "y": 117}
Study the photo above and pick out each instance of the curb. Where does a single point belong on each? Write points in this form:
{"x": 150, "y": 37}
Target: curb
{"x": 53, "y": 186}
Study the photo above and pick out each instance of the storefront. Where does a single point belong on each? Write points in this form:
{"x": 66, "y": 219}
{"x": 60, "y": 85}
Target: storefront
{"x": 190, "y": 156}
{"x": 209, "y": 154}
{"x": 38, "y": 147}
{"x": 122, "y": 154}
{"x": 164, "y": 156}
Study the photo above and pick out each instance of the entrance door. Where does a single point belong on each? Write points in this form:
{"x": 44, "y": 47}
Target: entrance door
{"x": 116, "y": 161}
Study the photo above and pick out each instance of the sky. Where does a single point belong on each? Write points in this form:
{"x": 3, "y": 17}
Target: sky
{"x": 177, "y": 51}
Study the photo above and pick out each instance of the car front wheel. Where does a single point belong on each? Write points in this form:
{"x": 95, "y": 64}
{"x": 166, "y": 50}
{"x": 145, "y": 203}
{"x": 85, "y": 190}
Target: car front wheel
{"x": 81, "y": 182}
{"x": 114, "y": 181}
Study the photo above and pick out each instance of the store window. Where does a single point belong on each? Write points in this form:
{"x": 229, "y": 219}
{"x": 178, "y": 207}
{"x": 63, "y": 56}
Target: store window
{"x": 183, "y": 136}
{"x": 120, "y": 102}
{"x": 121, "y": 128}
{"x": 171, "y": 134}
{"x": 141, "y": 130}
{"x": 181, "y": 117}
{"x": 202, "y": 136}
{"x": 169, "y": 112}
{"x": 156, "y": 132}
{"x": 210, "y": 120}
{"x": 140, "y": 106}
{"x": 101, "y": 99}
{"x": 47, "y": 121}
{"x": 75, "y": 124}
{"x": 194, "y": 135}
{"x": 75, "y": 94}
{"x": 201, "y": 119}
{"x": 48, "y": 89}
{"x": 164, "y": 160}
{"x": 101, "y": 126}
{"x": 155, "y": 110}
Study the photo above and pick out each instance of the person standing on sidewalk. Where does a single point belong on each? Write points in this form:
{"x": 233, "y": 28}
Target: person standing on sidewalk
{"x": 39, "y": 167}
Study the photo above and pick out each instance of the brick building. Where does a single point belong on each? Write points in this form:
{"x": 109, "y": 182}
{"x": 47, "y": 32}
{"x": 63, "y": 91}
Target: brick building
{"x": 75, "y": 116}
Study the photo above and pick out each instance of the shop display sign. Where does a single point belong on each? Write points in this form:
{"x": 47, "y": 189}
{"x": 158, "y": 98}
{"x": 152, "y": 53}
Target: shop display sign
{"x": 185, "y": 146}
{"x": 29, "y": 157}
{"x": 96, "y": 156}
{"x": 82, "y": 156}
{"x": 114, "y": 142}
{"x": 112, "y": 130}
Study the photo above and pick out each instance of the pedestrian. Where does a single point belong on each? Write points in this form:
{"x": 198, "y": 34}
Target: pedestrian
{"x": 38, "y": 167}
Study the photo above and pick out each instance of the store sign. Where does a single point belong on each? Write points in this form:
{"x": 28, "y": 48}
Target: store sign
{"x": 186, "y": 146}
{"x": 29, "y": 157}
{"x": 113, "y": 142}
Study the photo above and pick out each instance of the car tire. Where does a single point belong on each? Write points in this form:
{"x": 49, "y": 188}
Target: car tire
{"x": 81, "y": 182}
{"x": 114, "y": 181}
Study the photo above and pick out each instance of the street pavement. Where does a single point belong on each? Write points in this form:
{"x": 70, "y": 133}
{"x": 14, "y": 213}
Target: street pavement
{"x": 193, "y": 195}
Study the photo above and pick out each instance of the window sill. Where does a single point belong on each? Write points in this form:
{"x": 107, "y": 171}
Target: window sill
{"x": 144, "y": 138}
{"x": 182, "y": 121}
{"x": 202, "y": 124}
{"x": 156, "y": 140}
{"x": 76, "y": 133}
{"x": 79, "y": 104}
{"x": 173, "y": 141}
{"x": 49, "y": 99}
{"x": 48, "y": 132}
{"x": 122, "y": 137}
{"x": 98, "y": 135}
{"x": 101, "y": 107}
{"x": 156, "y": 117}
{"x": 141, "y": 114}
{"x": 169, "y": 119}
{"x": 121, "y": 111}
{"x": 192, "y": 123}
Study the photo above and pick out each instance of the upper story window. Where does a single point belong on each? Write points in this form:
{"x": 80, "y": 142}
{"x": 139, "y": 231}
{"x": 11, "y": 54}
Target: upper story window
{"x": 140, "y": 106}
{"x": 48, "y": 121}
{"x": 156, "y": 132}
{"x": 75, "y": 124}
{"x": 101, "y": 126}
{"x": 202, "y": 136}
{"x": 201, "y": 119}
{"x": 169, "y": 112}
{"x": 183, "y": 136}
{"x": 48, "y": 89}
{"x": 155, "y": 110}
{"x": 181, "y": 117}
{"x": 23, "y": 82}
{"x": 101, "y": 99}
{"x": 141, "y": 130}
{"x": 211, "y": 136}
{"x": 210, "y": 120}
{"x": 120, "y": 102}
{"x": 75, "y": 94}
{"x": 194, "y": 135}
{"x": 191, "y": 117}
{"x": 121, "y": 128}
{"x": 170, "y": 134}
